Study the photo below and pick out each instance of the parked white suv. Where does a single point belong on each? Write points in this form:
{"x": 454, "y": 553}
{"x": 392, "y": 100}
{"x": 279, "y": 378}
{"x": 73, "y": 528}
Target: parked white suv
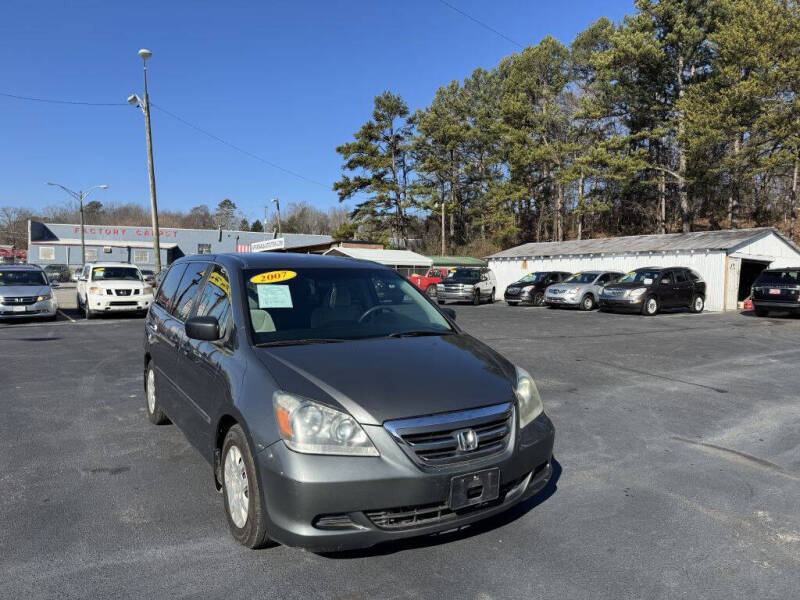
{"x": 106, "y": 287}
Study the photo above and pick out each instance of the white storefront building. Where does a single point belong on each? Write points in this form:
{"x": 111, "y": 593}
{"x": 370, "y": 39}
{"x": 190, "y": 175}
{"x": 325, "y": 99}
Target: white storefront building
{"x": 729, "y": 260}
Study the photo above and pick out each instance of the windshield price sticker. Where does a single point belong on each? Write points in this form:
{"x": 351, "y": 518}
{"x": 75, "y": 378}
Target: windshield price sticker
{"x": 274, "y": 296}
{"x": 273, "y": 277}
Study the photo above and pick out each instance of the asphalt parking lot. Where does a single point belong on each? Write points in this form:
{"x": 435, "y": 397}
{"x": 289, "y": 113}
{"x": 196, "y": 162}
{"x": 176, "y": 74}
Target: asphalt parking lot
{"x": 678, "y": 473}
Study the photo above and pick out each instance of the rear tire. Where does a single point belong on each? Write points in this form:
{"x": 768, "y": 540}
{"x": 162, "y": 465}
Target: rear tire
{"x": 698, "y": 304}
{"x": 241, "y": 492}
{"x": 650, "y": 306}
{"x": 587, "y": 302}
{"x": 154, "y": 412}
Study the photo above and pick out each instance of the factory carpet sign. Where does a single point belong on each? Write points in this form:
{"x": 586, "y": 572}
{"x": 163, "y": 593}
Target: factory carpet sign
{"x": 129, "y": 231}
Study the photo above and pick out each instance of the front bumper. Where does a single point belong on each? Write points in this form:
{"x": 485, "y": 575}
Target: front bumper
{"x": 460, "y": 296}
{"x": 524, "y": 297}
{"x": 563, "y": 300}
{"x": 43, "y": 310}
{"x": 621, "y": 304}
{"x": 106, "y": 303}
{"x": 356, "y": 494}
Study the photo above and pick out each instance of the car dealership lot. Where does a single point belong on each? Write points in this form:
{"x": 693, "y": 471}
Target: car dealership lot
{"x": 676, "y": 443}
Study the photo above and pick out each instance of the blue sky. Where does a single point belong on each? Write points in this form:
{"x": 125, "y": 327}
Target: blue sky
{"x": 287, "y": 80}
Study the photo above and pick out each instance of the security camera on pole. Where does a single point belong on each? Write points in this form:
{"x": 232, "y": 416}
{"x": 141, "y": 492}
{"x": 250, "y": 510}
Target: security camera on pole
{"x": 144, "y": 104}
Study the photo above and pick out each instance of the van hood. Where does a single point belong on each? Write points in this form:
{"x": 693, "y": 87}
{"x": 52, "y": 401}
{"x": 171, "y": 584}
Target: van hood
{"x": 381, "y": 379}
{"x": 13, "y": 291}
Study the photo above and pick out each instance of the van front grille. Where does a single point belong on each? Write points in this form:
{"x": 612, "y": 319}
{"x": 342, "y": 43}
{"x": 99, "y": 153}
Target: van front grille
{"x": 456, "y": 437}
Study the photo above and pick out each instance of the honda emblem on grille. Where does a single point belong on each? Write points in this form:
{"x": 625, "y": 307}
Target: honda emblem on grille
{"x": 467, "y": 440}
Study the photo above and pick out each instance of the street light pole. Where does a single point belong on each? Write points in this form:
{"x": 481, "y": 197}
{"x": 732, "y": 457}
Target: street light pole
{"x": 80, "y": 196}
{"x": 265, "y": 221}
{"x": 145, "y": 54}
{"x": 144, "y": 104}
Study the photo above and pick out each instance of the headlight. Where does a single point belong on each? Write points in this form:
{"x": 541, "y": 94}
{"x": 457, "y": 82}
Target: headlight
{"x": 573, "y": 291}
{"x": 95, "y": 290}
{"x": 312, "y": 428}
{"x": 44, "y": 297}
{"x": 530, "y": 403}
{"x": 637, "y": 293}
{"x": 148, "y": 289}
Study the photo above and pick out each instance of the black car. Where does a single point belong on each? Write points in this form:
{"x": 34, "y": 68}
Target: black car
{"x": 290, "y": 374}
{"x": 530, "y": 289}
{"x": 776, "y": 289}
{"x": 650, "y": 289}
{"x": 58, "y": 272}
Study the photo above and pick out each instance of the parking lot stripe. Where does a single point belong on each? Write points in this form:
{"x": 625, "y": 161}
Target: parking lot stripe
{"x": 63, "y": 314}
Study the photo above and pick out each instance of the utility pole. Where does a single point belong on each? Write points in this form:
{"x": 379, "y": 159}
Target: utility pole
{"x": 80, "y": 196}
{"x": 265, "y": 221}
{"x": 443, "y": 241}
{"x": 278, "y": 209}
{"x": 145, "y": 106}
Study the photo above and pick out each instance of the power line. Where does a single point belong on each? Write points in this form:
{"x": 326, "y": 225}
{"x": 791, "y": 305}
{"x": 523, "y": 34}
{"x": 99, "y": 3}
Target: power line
{"x": 71, "y": 102}
{"x": 481, "y": 23}
{"x": 176, "y": 117}
{"x": 237, "y": 148}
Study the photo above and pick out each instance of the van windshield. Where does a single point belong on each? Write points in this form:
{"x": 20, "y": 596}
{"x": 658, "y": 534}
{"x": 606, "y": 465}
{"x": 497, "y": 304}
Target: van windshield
{"x": 464, "y": 275}
{"x": 12, "y": 277}
{"x": 323, "y": 305}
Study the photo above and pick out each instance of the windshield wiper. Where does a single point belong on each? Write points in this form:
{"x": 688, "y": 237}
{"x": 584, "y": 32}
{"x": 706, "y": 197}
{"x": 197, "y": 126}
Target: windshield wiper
{"x": 419, "y": 333}
{"x": 300, "y": 342}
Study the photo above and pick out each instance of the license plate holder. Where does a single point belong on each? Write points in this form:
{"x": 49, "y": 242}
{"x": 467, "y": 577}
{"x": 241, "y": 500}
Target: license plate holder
{"x": 774, "y": 292}
{"x": 474, "y": 488}
{"x": 18, "y": 308}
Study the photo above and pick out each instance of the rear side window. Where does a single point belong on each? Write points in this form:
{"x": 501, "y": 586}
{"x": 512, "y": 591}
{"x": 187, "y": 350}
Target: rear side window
{"x": 215, "y": 301}
{"x": 187, "y": 289}
{"x": 680, "y": 276}
{"x": 166, "y": 292}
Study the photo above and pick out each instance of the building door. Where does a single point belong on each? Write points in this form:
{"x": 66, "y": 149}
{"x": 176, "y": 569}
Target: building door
{"x": 748, "y": 273}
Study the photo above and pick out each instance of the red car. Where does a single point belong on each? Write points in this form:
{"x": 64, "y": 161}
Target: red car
{"x": 427, "y": 283}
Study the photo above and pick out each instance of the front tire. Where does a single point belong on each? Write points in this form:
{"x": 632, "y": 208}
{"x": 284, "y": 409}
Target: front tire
{"x": 650, "y": 306}
{"x": 154, "y": 412}
{"x": 241, "y": 492}
{"x": 587, "y": 302}
{"x": 491, "y": 298}
{"x": 431, "y": 291}
{"x": 698, "y": 303}
{"x": 538, "y": 299}
{"x": 476, "y": 298}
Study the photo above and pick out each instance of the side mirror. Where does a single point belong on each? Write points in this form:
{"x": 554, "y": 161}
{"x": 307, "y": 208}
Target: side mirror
{"x": 202, "y": 328}
{"x": 450, "y": 313}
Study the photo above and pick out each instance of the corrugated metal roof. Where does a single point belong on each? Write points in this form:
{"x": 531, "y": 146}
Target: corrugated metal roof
{"x": 457, "y": 261}
{"x": 670, "y": 242}
{"x": 384, "y": 257}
